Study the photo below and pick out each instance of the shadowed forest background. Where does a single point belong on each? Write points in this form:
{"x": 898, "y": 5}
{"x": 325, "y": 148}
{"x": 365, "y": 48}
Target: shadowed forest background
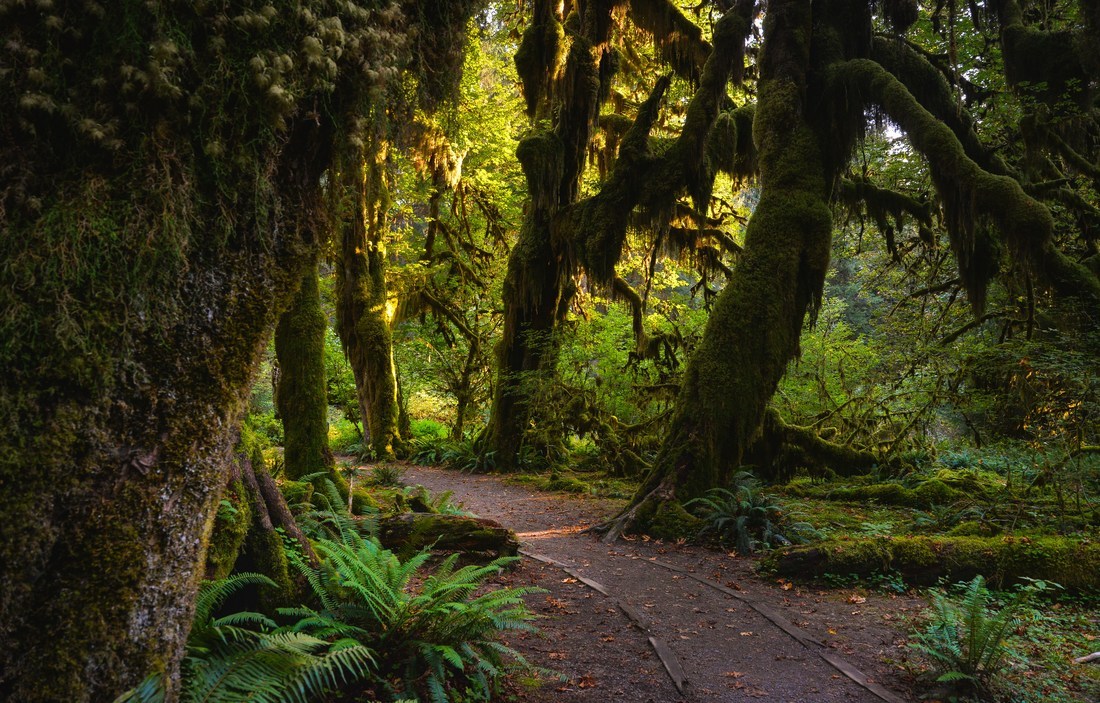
{"x": 812, "y": 280}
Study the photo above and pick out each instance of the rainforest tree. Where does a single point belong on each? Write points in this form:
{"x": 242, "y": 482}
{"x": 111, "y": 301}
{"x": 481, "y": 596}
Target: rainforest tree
{"x": 301, "y": 397}
{"x": 823, "y": 69}
{"x": 162, "y": 173}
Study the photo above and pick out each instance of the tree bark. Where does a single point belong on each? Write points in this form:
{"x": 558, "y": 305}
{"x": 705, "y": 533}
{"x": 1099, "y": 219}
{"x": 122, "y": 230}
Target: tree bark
{"x": 115, "y": 456}
{"x": 362, "y": 306}
{"x": 754, "y": 328}
{"x": 300, "y": 395}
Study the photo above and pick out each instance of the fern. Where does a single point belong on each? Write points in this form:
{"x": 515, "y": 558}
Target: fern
{"x": 242, "y": 656}
{"x": 747, "y": 517}
{"x": 966, "y": 639}
{"x": 432, "y": 640}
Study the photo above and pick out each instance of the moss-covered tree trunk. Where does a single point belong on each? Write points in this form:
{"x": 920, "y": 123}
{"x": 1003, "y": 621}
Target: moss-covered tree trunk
{"x": 753, "y": 330}
{"x": 538, "y": 285}
{"x": 363, "y": 319}
{"x": 160, "y": 163}
{"x": 120, "y": 429}
{"x": 300, "y": 396}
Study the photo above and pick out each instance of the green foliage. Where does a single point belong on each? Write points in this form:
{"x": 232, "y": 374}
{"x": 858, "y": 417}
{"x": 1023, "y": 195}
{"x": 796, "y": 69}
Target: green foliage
{"x": 434, "y": 636}
{"x": 967, "y": 636}
{"x": 461, "y": 454}
{"x": 244, "y": 656}
{"x": 748, "y": 518}
{"x": 327, "y": 514}
{"x": 386, "y": 475}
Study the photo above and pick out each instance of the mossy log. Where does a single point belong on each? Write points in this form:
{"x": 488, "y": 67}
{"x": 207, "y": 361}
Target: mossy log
{"x": 413, "y": 531}
{"x": 923, "y": 561}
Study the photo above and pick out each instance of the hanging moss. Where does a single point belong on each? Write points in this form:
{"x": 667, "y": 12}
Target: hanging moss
{"x": 1043, "y": 65}
{"x": 539, "y": 55}
{"x": 678, "y": 39}
{"x": 730, "y": 147}
{"x": 969, "y": 191}
{"x": 540, "y": 154}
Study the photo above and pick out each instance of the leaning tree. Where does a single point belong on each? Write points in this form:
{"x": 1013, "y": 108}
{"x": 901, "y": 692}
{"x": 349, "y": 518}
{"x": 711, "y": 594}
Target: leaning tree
{"x": 160, "y": 198}
{"x": 825, "y": 70}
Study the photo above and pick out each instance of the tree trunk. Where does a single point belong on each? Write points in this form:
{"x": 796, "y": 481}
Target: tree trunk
{"x": 753, "y": 331}
{"x": 301, "y": 396}
{"x": 362, "y": 306}
{"x": 115, "y": 453}
{"x": 538, "y": 285}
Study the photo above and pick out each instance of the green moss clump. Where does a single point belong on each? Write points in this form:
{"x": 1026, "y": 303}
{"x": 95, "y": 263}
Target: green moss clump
{"x": 296, "y": 492}
{"x": 231, "y": 525}
{"x": 567, "y": 484}
{"x": 363, "y": 503}
{"x": 666, "y": 519}
{"x": 935, "y": 492}
{"x": 974, "y": 528}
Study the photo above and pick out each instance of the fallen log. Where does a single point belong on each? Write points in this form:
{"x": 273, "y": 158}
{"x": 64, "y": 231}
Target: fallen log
{"x": 414, "y": 531}
{"x": 922, "y": 561}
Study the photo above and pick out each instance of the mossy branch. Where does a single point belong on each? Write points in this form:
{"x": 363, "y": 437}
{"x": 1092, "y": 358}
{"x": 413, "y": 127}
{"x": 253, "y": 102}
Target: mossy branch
{"x": 969, "y": 190}
{"x": 679, "y": 40}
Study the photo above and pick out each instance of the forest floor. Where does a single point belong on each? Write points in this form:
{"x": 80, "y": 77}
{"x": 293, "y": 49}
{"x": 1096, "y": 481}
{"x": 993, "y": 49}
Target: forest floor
{"x": 734, "y": 635}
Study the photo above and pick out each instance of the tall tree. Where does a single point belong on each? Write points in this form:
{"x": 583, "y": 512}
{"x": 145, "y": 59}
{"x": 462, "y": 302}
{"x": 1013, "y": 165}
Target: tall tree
{"x": 821, "y": 71}
{"x": 301, "y": 397}
{"x": 161, "y": 162}
{"x": 364, "y": 309}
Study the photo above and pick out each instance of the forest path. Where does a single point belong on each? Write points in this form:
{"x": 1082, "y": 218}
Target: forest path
{"x": 728, "y": 650}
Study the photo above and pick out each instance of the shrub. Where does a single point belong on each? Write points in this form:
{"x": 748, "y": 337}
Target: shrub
{"x": 243, "y": 656}
{"x": 388, "y": 475}
{"x": 432, "y": 641}
{"x": 966, "y": 639}
{"x": 747, "y": 517}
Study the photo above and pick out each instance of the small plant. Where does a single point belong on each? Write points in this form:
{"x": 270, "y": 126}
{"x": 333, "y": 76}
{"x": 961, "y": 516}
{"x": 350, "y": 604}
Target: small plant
{"x": 326, "y": 515}
{"x": 243, "y": 656}
{"x": 747, "y": 517}
{"x": 433, "y": 641}
{"x": 386, "y": 475}
{"x": 966, "y": 639}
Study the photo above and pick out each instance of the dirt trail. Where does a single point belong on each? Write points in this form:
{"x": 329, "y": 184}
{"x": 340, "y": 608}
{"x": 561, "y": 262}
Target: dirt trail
{"x": 727, "y": 649}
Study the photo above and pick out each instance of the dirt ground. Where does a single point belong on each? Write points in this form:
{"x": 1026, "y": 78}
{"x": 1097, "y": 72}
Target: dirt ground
{"x": 709, "y": 613}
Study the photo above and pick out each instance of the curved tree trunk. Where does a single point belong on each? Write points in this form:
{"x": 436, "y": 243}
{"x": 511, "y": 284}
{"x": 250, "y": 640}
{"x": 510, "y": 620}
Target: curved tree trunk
{"x": 362, "y": 318}
{"x": 753, "y": 331}
{"x": 538, "y": 285}
{"x": 300, "y": 394}
{"x": 115, "y": 455}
